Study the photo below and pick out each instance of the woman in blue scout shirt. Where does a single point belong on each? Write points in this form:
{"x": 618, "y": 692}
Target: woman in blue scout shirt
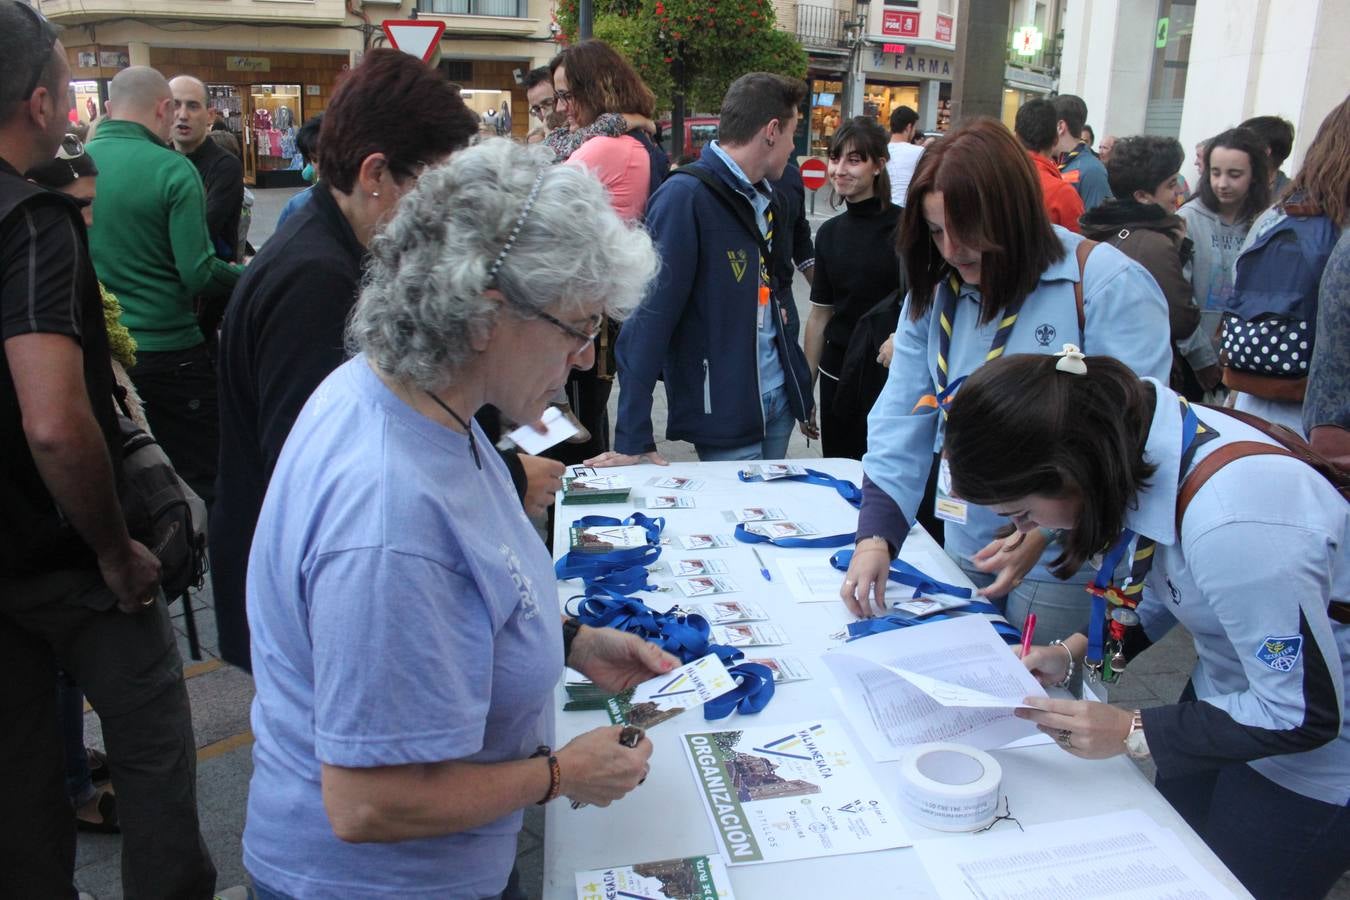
{"x": 982, "y": 257}
{"x": 405, "y": 630}
{"x": 1254, "y": 755}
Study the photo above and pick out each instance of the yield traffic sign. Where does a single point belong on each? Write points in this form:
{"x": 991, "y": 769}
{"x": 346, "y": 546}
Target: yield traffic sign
{"x": 414, "y": 36}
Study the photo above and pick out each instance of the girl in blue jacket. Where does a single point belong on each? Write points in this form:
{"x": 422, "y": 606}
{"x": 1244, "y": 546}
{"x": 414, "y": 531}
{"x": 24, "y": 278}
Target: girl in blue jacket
{"x": 988, "y": 274}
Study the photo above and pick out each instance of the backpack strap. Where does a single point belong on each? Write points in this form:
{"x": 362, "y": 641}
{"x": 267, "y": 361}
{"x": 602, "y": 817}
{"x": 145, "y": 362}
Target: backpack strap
{"x": 1201, "y": 472}
{"x": 1084, "y": 249}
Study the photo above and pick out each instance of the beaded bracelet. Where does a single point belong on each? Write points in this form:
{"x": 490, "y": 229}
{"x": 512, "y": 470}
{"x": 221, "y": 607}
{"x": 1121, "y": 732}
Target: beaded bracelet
{"x": 1064, "y": 682}
{"x": 554, "y": 773}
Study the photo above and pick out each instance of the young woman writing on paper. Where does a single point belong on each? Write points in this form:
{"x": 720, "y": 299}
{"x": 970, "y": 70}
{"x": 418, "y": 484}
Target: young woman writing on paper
{"x": 982, "y": 256}
{"x": 1254, "y": 562}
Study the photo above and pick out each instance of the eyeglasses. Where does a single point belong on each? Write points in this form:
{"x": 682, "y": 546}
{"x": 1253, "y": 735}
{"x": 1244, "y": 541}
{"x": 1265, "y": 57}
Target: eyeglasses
{"x": 48, "y": 36}
{"x": 563, "y": 96}
{"x": 544, "y": 107}
{"x": 583, "y": 338}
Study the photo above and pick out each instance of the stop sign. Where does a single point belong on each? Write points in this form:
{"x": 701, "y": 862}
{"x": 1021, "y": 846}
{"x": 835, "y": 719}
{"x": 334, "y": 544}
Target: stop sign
{"x": 813, "y": 173}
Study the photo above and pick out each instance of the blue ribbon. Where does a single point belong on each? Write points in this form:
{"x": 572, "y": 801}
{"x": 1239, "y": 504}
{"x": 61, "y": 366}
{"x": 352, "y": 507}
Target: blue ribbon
{"x": 687, "y": 637}
{"x": 753, "y": 692}
{"x": 624, "y": 570}
{"x": 1190, "y": 424}
{"x": 746, "y": 536}
{"x": 902, "y": 572}
{"x": 846, "y": 489}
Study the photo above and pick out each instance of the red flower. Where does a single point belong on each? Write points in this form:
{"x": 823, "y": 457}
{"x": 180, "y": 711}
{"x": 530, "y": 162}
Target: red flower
{"x": 670, "y": 59}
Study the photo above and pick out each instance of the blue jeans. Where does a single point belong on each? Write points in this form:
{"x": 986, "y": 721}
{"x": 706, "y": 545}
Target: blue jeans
{"x": 778, "y": 425}
{"x": 1061, "y": 608}
{"x": 79, "y": 786}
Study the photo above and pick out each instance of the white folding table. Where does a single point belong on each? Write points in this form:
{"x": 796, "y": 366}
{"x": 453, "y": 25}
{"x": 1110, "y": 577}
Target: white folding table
{"x": 664, "y": 818}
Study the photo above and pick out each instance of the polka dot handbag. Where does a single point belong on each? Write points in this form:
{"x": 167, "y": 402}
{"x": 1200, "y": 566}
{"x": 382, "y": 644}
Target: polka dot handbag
{"x": 1267, "y": 346}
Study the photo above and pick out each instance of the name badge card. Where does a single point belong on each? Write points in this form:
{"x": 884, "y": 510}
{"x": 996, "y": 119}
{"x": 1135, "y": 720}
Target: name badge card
{"x": 945, "y": 506}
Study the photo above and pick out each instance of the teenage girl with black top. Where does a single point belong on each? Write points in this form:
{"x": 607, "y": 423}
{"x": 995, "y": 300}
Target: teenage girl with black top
{"x": 856, "y": 268}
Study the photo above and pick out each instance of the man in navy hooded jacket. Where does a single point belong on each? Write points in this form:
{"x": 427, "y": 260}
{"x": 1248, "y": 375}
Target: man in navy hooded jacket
{"x": 712, "y": 328}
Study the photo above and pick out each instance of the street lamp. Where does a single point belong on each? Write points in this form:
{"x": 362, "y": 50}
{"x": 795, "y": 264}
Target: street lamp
{"x": 855, "y": 35}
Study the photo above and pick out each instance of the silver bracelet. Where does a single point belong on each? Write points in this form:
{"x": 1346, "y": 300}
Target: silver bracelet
{"x": 1068, "y": 675}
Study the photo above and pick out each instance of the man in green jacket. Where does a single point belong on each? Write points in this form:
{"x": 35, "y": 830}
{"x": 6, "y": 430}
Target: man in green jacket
{"x": 152, "y": 250}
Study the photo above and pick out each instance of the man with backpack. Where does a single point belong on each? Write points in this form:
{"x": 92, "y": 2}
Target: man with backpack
{"x": 712, "y": 326}
{"x": 76, "y": 590}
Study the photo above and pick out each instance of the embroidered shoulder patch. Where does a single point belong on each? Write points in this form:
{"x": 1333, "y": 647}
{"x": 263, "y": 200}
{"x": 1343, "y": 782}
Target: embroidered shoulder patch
{"x": 1280, "y": 653}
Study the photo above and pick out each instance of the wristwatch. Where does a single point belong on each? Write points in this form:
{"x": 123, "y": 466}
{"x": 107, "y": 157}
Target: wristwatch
{"x": 1135, "y": 743}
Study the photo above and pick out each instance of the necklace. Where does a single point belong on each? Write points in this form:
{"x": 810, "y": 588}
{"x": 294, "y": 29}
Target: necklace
{"x": 473, "y": 446}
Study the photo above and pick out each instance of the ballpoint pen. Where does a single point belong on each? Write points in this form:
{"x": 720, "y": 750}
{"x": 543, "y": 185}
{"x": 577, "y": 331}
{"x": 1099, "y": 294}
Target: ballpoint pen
{"x": 1027, "y": 633}
{"x": 763, "y": 569}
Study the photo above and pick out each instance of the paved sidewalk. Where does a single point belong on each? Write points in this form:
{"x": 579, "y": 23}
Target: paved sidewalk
{"x": 221, "y": 694}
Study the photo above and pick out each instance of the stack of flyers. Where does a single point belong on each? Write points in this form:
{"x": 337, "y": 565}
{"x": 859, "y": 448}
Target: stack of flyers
{"x": 772, "y": 471}
{"x": 676, "y": 483}
{"x": 779, "y": 530}
{"x": 704, "y": 541}
{"x": 670, "y": 501}
{"x": 706, "y": 585}
{"x": 692, "y": 878}
{"x": 606, "y": 538}
{"x": 725, "y": 612}
{"x": 585, "y": 485}
{"x": 765, "y": 634}
{"x": 754, "y": 514}
{"x": 784, "y": 668}
{"x": 681, "y": 568}
{"x": 668, "y": 695}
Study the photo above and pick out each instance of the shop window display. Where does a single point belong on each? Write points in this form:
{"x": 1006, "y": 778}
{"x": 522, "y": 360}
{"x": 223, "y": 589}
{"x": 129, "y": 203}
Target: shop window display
{"x": 275, "y": 118}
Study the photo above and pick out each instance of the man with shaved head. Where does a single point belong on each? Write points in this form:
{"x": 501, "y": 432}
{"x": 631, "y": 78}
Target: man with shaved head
{"x": 152, "y": 249}
{"x": 79, "y": 589}
{"x": 221, "y": 172}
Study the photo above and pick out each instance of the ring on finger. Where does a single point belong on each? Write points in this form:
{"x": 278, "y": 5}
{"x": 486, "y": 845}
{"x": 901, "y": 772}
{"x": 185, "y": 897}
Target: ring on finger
{"x": 1065, "y": 737}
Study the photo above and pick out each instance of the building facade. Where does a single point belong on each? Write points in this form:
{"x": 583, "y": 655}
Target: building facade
{"x": 271, "y": 64}
{"x": 1193, "y": 68}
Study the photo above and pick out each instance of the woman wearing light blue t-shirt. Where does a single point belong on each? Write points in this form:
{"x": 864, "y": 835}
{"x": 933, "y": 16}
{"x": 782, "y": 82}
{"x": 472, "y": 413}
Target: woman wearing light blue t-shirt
{"x": 988, "y": 274}
{"x": 406, "y": 640}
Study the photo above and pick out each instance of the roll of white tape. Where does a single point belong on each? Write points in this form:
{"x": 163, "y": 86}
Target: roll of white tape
{"x": 950, "y": 787}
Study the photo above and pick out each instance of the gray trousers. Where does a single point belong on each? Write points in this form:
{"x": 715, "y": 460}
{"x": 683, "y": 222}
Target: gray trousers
{"x": 129, "y": 668}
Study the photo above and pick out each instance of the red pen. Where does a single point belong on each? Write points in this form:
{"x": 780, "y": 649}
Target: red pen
{"x": 1027, "y": 633}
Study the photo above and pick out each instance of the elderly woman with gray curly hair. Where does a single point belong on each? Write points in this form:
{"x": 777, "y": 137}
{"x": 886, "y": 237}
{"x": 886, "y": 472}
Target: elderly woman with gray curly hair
{"x": 406, "y": 640}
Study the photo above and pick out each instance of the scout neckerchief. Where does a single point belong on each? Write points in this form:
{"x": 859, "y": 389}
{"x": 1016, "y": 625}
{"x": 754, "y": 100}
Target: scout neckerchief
{"x": 1072, "y": 155}
{"x": 942, "y": 395}
{"x": 1113, "y": 609}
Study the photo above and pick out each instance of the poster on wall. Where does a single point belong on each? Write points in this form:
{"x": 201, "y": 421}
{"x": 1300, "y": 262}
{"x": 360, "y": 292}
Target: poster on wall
{"x": 86, "y": 59}
{"x": 944, "y": 29}
{"x": 899, "y": 23}
{"x": 113, "y": 59}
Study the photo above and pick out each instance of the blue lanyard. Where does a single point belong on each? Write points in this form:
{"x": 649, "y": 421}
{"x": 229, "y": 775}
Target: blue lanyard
{"x": 865, "y": 627}
{"x": 622, "y": 569}
{"x": 685, "y": 636}
{"x": 1101, "y": 584}
{"x": 902, "y": 572}
{"x": 746, "y": 536}
{"x": 846, "y": 489}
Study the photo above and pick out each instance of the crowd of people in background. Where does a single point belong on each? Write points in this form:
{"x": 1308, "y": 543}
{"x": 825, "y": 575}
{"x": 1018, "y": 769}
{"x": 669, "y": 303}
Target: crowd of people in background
{"x": 1014, "y": 332}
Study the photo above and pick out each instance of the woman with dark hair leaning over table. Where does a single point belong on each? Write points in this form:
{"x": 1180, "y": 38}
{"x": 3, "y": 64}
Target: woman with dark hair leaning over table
{"x": 988, "y": 273}
{"x": 406, "y": 636}
{"x": 1254, "y": 561}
